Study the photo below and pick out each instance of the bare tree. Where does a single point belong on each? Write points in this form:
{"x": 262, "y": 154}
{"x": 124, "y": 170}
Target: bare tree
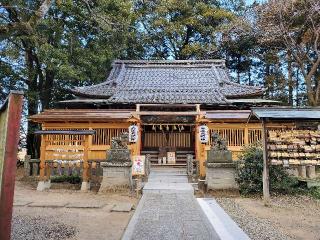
{"x": 295, "y": 26}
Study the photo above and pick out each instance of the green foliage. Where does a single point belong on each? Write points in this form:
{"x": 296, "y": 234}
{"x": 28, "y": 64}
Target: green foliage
{"x": 180, "y": 29}
{"x": 73, "y": 179}
{"x": 249, "y": 174}
{"x": 73, "y": 44}
{"x": 315, "y": 192}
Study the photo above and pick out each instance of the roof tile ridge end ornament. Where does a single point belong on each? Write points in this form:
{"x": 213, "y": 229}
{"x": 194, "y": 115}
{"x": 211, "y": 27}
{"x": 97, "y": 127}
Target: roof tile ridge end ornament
{"x": 121, "y": 73}
{"x": 217, "y": 75}
{"x": 113, "y": 69}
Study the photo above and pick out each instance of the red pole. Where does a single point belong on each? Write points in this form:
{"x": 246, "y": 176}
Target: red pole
{"x": 9, "y": 162}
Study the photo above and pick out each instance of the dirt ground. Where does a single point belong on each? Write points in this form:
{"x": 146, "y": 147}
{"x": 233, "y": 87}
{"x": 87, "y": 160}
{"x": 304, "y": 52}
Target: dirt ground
{"x": 89, "y": 223}
{"x": 296, "y": 216}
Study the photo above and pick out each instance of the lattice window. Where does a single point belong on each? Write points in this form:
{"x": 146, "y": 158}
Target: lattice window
{"x": 103, "y": 136}
{"x": 234, "y": 137}
{"x": 64, "y": 140}
{"x": 255, "y": 135}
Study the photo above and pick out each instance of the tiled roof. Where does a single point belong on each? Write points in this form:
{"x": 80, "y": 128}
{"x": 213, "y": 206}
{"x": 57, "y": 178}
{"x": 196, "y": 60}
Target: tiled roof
{"x": 197, "y": 81}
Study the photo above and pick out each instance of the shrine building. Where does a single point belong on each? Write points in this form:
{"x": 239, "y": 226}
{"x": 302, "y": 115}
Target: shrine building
{"x": 168, "y": 106}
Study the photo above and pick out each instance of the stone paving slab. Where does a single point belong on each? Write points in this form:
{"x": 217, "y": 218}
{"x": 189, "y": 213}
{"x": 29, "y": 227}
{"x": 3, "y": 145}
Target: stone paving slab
{"x": 85, "y": 205}
{"x": 158, "y": 187}
{"x": 21, "y": 203}
{"x": 166, "y": 180}
{"x": 168, "y": 210}
{"x": 167, "y": 174}
{"x": 122, "y": 207}
{"x": 48, "y": 204}
{"x": 169, "y": 216}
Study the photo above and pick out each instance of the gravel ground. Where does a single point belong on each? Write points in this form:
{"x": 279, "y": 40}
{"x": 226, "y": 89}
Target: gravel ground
{"x": 256, "y": 228}
{"x": 39, "y": 228}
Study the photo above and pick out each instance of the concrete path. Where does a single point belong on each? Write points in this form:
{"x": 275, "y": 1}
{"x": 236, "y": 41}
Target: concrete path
{"x": 168, "y": 210}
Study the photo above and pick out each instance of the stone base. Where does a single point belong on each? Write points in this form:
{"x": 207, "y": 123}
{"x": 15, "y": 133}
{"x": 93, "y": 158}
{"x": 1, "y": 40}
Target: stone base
{"x": 221, "y": 176}
{"x": 302, "y": 171}
{"x": 43, "y": 185}
{"x": 293, "y": 171}
{"x": 214, "y": 156}
{"x": 311, "y": 171}
{"x": 85, "y": 186}
{"x": 116, "y": 177}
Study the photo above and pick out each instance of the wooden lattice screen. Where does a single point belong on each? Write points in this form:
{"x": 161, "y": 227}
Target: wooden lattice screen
{"x": 159, "y": 140}
{"x": 255, "y": 135}
{"x": 103, "y": 136}
{"x": 236, "y": 137}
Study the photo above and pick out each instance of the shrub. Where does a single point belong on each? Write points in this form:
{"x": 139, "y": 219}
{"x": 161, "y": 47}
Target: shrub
{"x": 249, "y": 173}
{"x": 315, "y": 192}
{"x": 73, "y": 179}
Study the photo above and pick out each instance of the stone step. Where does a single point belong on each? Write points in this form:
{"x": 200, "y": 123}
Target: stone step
{"x": 168, "y": 180}
{"x": 156, "y": 187}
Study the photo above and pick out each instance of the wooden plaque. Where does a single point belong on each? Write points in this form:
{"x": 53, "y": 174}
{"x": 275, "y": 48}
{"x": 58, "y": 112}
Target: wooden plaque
{"x": 138, "y": 165}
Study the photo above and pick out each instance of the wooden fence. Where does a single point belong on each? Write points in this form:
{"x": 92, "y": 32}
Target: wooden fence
{"x": 98, "y": 144}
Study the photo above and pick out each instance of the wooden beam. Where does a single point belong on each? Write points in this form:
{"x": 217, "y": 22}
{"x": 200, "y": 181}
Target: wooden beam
{"x": 138, "y": 108}
{"x": 65, "y": 132}
{"x": 185, "y": 113}
{"x": 265, "y": 177}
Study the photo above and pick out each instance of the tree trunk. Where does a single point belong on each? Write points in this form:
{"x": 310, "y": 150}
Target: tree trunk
{"x": 238, "y": 70}
{"x": 297, "y": 88}
{"x": 267, "y": 74}
{"x": 46, "y": 91}
{"x": 290, "y": 81}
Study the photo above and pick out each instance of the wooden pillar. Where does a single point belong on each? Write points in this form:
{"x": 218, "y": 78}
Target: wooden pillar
{"x": 246, "y": 135}
{"x": 137, "y": 107}
{"x": 10, "y": 115}
{"x": 85, "y": 186}
{"x": 44, "y": 181}
{"x": 265, "y": 177}
{"x": 47, "y": 171}
{"x": 43, "y": 158}
{"x": 139, "y": 144}
{"x": 85, "y": 176}
{"x": 90, "y": 138}
{"x": 200, "y": 151}
{"x": 136, "y": 147}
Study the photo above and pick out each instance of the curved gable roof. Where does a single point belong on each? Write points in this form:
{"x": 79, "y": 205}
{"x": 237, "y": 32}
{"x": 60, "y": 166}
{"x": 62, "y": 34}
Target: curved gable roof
{"x": 179, "y": 81}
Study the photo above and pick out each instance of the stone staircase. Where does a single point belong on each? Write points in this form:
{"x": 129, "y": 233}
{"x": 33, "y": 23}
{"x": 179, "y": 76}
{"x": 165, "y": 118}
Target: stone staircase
{"x": 181, "y": 158}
